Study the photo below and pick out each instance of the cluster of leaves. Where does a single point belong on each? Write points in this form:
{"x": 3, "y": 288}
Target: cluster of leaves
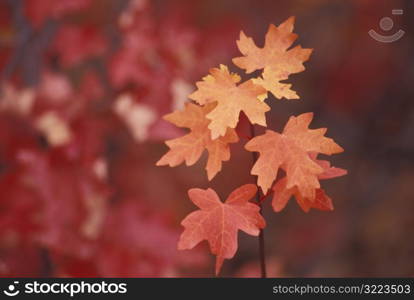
{"x": 80, "y": 92}
{"x": 220, "y": 98}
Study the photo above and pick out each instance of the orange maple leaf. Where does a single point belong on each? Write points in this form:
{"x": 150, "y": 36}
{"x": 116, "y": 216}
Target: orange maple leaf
{"x": 282, "y": 194}
{"x": 290, "y": 151}
{"x": 219, "y": 222}
{"x": 189, "y": 147}
{"x": 275, "y": 58}
{"x": 221, "y": 87}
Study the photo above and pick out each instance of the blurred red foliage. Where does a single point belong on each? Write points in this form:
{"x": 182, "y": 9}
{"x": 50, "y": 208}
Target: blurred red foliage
{"x": 68, "y": 141}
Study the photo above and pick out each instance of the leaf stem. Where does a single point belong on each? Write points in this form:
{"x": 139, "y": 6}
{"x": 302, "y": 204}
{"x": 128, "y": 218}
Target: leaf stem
{"x": 260, "y": 198}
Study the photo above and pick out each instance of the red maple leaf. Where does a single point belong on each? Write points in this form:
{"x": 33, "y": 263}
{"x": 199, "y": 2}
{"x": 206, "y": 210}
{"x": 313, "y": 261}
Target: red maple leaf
{"x": 219, "y": 222}
{"x": 322, "y": 201}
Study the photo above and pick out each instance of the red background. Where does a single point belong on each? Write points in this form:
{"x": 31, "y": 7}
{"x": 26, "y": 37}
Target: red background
{"x": 87, "y": 200}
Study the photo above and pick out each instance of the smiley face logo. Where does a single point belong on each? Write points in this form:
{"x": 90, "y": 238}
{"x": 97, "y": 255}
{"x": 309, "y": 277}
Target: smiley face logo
{"x": 11, "y": 290}
{"x": 386, "y": 24}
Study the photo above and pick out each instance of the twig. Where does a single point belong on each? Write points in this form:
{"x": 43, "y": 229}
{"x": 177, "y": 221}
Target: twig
{"x": 260, "y": 198}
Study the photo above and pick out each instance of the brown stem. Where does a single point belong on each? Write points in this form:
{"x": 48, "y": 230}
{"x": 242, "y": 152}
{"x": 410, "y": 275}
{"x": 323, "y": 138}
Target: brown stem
{"x": 259, "y": 198}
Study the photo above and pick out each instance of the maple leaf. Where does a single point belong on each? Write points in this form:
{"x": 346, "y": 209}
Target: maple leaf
{"x": 189, "y": 147}
{"x": 219, "y": 222}
{"x": 221, "y": 87}
{"x": 282, "y": 194}
{"x": 290, "y": 151}
{"x": 277, "y": 60}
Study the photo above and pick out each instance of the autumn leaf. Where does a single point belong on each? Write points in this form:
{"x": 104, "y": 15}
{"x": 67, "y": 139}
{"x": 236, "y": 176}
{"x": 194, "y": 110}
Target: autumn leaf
{"x": 275, "y": 58}
{"x": 282, "y": 194}
{"x": 189, "y": 147}
{"x": 221, "y": 87}
{"x": 219, "y": 222}
{"x": 290, "y": 151}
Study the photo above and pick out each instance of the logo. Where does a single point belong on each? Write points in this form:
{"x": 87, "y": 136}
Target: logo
{"x": 386, "y": 24}
{"x": 11, "y": 289}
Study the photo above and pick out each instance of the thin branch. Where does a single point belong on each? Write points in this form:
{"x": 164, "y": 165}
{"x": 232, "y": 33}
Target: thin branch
{"x": 260, "y": 198}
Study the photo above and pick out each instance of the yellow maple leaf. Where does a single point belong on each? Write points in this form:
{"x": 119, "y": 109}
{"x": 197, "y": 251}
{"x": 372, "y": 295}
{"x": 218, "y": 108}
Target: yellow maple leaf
{"x": 189, "y": 147}
{"x": 221, "y": 87}
{"x": 275, "y": 58}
